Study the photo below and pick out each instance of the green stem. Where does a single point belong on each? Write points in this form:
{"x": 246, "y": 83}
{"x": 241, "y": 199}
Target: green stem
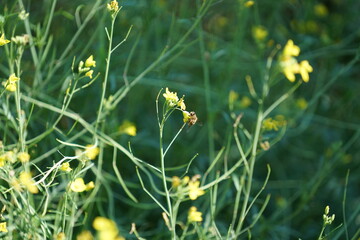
{"x": 168, "y": 200}
{"x": 251, "y": 167}
{"x": 110, "y": 36}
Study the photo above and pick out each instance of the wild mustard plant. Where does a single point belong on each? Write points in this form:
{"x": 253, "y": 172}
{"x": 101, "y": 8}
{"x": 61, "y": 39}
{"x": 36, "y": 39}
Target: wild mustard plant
{"x": 66, "y": 170}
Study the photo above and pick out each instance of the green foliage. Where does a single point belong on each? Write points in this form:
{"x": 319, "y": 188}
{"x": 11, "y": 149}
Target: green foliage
{"x": 157, "y": 119}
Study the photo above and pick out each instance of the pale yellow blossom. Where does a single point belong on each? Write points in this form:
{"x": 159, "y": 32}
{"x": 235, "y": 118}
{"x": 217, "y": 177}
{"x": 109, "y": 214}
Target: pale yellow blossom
{"x": 128, "y": 128}
{"x": 89, "y": 62}
{"x": 194, "y": 215}
{"x": 194, "y": 190}
{"x": 23, "y": 157}
{"x": 3, "y": 41}
{"x": 91, "y": 151}
{"x": 26, "y": 180}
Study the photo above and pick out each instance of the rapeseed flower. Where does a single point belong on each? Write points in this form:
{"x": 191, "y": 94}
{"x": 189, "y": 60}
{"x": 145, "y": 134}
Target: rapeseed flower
{"x": 89, "y": 73}
{"x": 176, "y": 181}
{"x": 91, "y": 151}
{"x": 304, "y": 69}
{"x": 65, "y": 167}
{"x": 106, "y": 229}
{"x": 194, "y": 190}
{"x": 3, "y": 227}
{"x": 249, "y": 3}
{"x": 113, "y": 6}
{"x": 301, "y": 103}
{"x": 171, "y": 98}
{"x": 181, "y": 104}
{"x": 10, "y": 84}
{"x": 290, "y": 65}
{"x": 259, "y": 33}
{"x": 186, "y": 116}
{"x": 290, "y": 49}
{"x": 194, "y": 215}
{"x": 60, "y": 236}
{"x": 23, "y": 157}
{"x": 128, "y": 128}
{"x": 78, "y": 185}
{"x": 89, "y": 62}
{"x": 3, "y": 41}
{"x": 26, "y": 180}
{"x": 85, "y": 235}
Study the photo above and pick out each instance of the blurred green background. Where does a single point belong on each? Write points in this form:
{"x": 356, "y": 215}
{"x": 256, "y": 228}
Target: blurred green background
{"x": 309, "y": 164}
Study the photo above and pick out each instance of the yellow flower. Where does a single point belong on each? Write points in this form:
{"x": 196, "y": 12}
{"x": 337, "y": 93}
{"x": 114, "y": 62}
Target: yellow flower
{"x": 3, "y": 227}
{"x": 26, "y": 179}
{"x": 113, "y": 6}
{"x": 90, "y": 62}
{"x": 11, "y": 83}
{"x": 106, "y": 228}
{"x": 290, "y": 68}
{"x": 320, "y": 10}
{"x": 259, "y": 33}
{"x": 273, "y": 124}
{"x": 91, "y": 151}
{"x": 90, "y": 185}
{"x": 291, "y": 49}
{"x": 23, "y": 157}
{"x": 65, "y": 167}
{"x": 185, "y": 180}
{"x": 249, "y": 3}
{"x": 171, "y": 97}
{"x": 85, "y": 235}
{"x": 176, "y": 181}
{"x": 3, "y": 41}
{"x": 181, "y": 104}
{"x": 304, "y": 69}
{"x": 61, "y": 236}
{"x": 270, "y": 124}
{"x": 78, "y": 185}
{"x": 301, "y": 103}
{"x": 194, "y": 215}
{"x": 245, "y": 102}
{"x": 128, "y": 128}
{"x": 186, "y": 116}
{"x": 89, "y": 73}
{"x": 15, "y": 184}
{"x": 194, "y": 190}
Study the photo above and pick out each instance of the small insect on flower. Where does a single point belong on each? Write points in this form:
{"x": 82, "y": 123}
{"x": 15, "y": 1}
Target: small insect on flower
{"x": 192, "y": 119}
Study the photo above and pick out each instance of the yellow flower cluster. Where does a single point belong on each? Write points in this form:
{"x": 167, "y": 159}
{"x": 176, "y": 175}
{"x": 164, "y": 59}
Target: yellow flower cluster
{"x": 65, "y": 167}
{"x": 290, "y": 65}
{"x": 78, "y": 185}
{"x": 128, "y": 128}
{"x": 106, "y": 229}
{"x": 274, "y": 124}
{"x": 113, "y": 6}
{"x": 11, "y": 156}
{"x": 10, "y": 83}
{"x": 27, "y": 181}
{"x": 194, "y": 215}
{"x": 188, "y": 186}
{"x": 86, "y": 67}
{"x": 173, "y": 101}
